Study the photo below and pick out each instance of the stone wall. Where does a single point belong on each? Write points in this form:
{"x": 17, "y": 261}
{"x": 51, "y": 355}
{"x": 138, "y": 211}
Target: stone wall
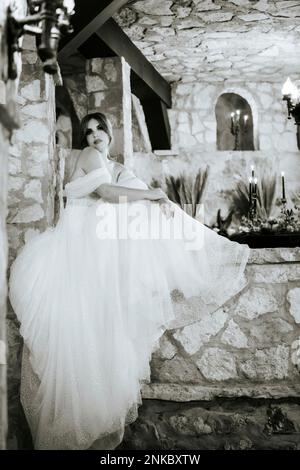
{"x": 231, "y": 380}
{"x": 205, "y": 49}
{"x": 193, "y": 118}
{"x": 101, "y": 85}
{"x": 249, "y": 347}
{"x": 194, "y": 143}
{"x": 223, "y": 424}
{"x": 8, "y": 122}
{"x": 32, "y": 162}
{"x": 108, "y": 91}
{"x": 32, "y": 182}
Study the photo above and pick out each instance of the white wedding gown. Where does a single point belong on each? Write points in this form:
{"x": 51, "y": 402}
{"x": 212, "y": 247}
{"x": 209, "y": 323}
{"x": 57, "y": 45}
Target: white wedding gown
{"x": 92, "y": 306}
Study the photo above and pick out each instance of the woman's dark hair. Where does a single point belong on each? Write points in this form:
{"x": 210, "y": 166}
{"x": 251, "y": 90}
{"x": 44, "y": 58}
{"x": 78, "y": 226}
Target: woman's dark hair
{"x": 103, "y": 121}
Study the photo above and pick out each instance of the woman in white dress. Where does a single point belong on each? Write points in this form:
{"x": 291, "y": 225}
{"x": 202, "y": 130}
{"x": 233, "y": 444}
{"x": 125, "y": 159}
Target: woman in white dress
{"x": 93, "y": 296}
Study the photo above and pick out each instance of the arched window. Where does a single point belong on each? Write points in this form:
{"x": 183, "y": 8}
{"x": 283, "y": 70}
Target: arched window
{"x": 234, "y": 123}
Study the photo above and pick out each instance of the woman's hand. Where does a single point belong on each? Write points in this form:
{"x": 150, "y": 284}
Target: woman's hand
{"x": 167, "y": 207}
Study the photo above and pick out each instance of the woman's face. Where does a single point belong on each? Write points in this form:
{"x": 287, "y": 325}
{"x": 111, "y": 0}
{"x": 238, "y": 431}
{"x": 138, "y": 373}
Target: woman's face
{"x": 96, "y": 137}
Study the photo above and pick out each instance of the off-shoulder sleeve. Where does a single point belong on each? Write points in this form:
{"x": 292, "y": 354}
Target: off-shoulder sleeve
{"x": 128, "y": 179}
{"x": 86, "y": 184}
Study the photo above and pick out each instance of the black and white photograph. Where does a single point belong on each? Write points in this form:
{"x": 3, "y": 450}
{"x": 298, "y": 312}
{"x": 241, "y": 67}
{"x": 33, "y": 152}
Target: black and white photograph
{"x": 149, "y": 229}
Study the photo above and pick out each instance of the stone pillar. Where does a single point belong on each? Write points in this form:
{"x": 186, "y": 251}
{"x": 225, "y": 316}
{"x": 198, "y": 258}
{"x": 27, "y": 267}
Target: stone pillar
{"x": 8, "y": 122}
{"x": 31, "y": 196}
{"x": 109, "y": 92}
{"x": 32, "y": 162}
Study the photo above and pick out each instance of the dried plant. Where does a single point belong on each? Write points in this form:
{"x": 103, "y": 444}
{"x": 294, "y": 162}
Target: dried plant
{"x": 266, "y": 188}
{"x": 239, "y": 203}
{"x": 185, "y": 191}
{"x": 266, "y": 195}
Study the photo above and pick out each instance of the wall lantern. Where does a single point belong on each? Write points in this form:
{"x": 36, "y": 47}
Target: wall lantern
{"x": 291, "y": 94}
{"x": 48, "y": 20}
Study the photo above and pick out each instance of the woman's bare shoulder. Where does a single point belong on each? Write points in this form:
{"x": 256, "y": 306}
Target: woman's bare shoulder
{"x": 89, "y": 159}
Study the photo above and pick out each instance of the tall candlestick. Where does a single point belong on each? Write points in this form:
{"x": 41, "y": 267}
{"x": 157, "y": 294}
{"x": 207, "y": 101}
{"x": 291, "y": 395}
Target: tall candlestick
{"x": 252, "y": 171}
{"x": 283, "y": 185}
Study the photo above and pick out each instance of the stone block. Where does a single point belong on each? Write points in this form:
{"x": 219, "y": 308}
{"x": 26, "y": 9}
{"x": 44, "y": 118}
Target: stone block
{"x": 206, "y": 5}
{"x": 29, "y": 214}
{"x": 33, "y": 190}
{"x": 37, "y": 110}
{"x": 194, "y": 336}
{"x": 275, "y": 274}
{"x": 14, "y": 166}
{"x": 254, "y": 17}
{"x": 217, "y": 364}
{"x": 269, "y": 332}
{"x": 33, "y": 131}
{"x": 216, "y": 17}
{"x": 95, "y": 83}
{"x": 166, "y": 349}
{"x": 177, "y": 369}
{"x": 267, "y": 364}
{"x": 153, "y": 8}
{"x": 234, "y": 336}
{"x": 15, "y": 183}
{"x": 256, "y": 301}
{"x": 293, "y": 296}
{"x": 32, "y": 91}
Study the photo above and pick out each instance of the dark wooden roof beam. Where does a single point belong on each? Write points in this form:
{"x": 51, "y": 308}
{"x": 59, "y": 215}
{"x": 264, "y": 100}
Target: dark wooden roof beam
{"x": 89, "y": 16}
{"x": 117, "y": 41}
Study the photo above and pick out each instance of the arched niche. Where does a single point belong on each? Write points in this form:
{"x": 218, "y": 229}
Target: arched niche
{"x": 234, "y": 123}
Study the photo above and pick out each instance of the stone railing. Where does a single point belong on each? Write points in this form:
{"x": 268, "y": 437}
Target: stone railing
{"x": 248, "y": 347}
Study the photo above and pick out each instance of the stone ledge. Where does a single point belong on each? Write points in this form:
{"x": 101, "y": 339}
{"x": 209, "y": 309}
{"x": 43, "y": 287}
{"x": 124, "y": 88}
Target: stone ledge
{"x": 193, "y": 392}
{"x": 274, "y": 255}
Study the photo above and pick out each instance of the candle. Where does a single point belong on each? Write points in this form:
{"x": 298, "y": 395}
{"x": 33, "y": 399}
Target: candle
{"x": 252, "y": 171}
{"x": 238, "y": 112}
{"x": 255, "y": 194}
{"x": 245, "y": 119}
{"x": 255, "y": 185}
{"x": 250, "y": 191}
{"x": 283, "y": 185}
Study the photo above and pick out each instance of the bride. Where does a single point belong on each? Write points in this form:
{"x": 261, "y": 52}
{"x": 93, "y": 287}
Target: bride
{"x": 93, "y": 296}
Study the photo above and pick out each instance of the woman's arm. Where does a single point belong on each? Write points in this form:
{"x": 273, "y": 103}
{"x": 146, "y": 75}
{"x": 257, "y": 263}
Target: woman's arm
{"x": 90, "y": 159}
{"x": 112, "y": 193}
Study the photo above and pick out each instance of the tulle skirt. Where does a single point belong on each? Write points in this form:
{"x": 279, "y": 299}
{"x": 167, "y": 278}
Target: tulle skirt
{"x": 93, "y": 296}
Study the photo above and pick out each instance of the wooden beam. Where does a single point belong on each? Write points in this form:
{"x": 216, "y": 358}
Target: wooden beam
{"x": 89, "y": 16}
{"x": 115, "y": 38}
{"x": 156, "y": 114}
{"x": 157, "y": 123}
{"x": 96, "y": 34}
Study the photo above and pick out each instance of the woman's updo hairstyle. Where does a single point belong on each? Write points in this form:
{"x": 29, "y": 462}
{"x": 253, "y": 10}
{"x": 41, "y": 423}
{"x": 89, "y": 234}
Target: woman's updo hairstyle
{"x": 103, "y": 121}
